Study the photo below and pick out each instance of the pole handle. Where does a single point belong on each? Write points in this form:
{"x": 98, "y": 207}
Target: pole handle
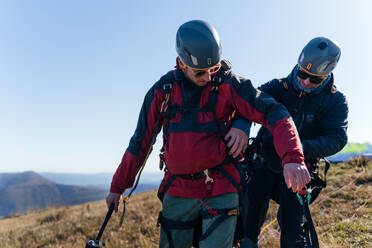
{"x": 108, "y": 215}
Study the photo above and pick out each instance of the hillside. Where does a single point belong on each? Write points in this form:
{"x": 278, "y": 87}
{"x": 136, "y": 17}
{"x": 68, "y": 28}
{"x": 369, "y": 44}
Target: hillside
{"x": 342, "y": 215}
{"x": 20, "y": 192}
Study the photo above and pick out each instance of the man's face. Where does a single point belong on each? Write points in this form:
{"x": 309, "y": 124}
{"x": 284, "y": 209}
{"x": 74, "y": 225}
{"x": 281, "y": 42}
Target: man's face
{"x": 308, "y": 81}
{"x": 200, "y": 77}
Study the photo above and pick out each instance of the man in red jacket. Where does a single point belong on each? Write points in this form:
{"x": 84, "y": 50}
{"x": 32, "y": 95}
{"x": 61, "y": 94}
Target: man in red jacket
{"x": 194, "y": 104}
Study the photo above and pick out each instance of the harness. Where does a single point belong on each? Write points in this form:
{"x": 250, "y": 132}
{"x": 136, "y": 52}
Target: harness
{"x": 170, "y": 110}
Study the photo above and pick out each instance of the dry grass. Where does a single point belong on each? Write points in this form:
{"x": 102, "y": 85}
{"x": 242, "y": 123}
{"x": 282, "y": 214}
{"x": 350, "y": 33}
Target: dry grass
{"x": 74, "y": 226}
{"x": 342, "y": 215}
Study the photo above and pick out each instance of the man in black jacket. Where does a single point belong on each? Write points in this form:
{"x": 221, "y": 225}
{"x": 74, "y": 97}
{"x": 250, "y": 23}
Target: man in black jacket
{"x": 320, "y": 112}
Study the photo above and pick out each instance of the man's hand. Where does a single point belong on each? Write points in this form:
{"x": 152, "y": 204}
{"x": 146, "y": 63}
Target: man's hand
{"x": 296, "y": 176}
{"x": 237, "y": 141}
{"x": 113, "y": 197}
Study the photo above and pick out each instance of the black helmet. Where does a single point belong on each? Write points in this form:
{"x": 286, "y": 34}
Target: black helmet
{"x": 198, "y": 44}
{"x": 320, "y": 56}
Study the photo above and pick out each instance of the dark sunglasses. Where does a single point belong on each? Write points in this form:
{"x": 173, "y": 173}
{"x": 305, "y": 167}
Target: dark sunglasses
{"x": 313, "y": 79}
{"x": 200, "y": 72}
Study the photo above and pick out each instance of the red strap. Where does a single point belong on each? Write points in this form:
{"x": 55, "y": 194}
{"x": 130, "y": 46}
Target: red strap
{"x": 303, "y": 192}
{"x": 210, "y": 210}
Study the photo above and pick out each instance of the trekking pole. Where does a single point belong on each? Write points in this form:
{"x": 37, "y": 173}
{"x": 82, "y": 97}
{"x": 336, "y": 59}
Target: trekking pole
{"x": 96, "y": 243}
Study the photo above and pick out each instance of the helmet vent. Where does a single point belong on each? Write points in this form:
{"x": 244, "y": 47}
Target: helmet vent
{"x": 322, "y": 45}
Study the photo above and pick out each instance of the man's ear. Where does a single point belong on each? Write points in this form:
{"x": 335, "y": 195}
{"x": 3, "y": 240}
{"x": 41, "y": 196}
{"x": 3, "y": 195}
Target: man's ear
{"x": 180, "y": 64}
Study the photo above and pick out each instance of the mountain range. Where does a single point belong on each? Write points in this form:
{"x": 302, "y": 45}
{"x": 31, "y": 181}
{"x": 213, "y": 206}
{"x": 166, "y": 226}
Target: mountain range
{"x": 20, "y": 192}
{"x": 101, "y": 180}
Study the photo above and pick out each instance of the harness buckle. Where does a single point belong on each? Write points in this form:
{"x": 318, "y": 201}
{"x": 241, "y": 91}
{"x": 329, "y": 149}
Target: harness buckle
{"x": 208, "y": 179}
{"x": 233, "y": 212}
{"x": 167, "y": 86}
{"x": 304, "y": 196}
{"x": 214, "y": 88}
{"x": 195, "y": 176}
{"x": 217, "y": 79}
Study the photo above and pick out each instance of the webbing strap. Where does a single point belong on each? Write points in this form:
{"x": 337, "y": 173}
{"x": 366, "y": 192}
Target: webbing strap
{"x": 228, "y": 176}
{"x": 176, "y": 224}
{"x": 217, "y": 168}
{"x": 223, "y": 215}
{"x": 190, "y": 124}
{"x": 211, "y": 228}
{"x": 166, "y": 187}
{"x": 310, "y": 232}
{"x": 168, "y": 224}
{"x": 326, "y": 168}
{"x": 206, "y": 214}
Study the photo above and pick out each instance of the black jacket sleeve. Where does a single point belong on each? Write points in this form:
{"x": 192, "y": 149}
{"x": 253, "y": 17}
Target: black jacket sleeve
{"x": 334, "y": 123}
{"x": 271, "y": 88}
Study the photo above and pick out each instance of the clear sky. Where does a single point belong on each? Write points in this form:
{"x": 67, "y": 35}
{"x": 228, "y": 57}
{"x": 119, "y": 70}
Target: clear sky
{"x": 73, "y": 74}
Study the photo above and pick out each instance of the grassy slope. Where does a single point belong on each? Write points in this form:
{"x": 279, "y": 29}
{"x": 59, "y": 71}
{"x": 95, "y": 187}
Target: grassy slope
{"x": 342, "y": 215}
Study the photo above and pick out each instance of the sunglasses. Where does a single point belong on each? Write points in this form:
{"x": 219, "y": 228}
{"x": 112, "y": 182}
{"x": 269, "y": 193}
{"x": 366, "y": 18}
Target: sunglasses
{"x": 313, "y": 79}
{"x": 200, "y": 72}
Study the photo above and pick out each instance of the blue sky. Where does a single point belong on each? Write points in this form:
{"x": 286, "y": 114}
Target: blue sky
{"x": 73, "y": 74}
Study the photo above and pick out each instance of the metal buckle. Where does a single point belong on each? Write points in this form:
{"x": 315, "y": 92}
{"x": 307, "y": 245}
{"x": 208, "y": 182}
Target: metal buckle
{"x": 233, "y": 212}
{"x": 167, "y": 86}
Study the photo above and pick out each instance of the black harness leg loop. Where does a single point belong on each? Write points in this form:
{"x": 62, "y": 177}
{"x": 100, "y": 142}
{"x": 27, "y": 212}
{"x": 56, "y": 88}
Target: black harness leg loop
{"x": 167, "y": 225}
{"x": 223, "y": 214}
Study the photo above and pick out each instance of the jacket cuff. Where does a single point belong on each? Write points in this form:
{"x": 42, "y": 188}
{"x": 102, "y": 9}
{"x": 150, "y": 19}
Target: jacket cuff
{"x": 242, "y": 125}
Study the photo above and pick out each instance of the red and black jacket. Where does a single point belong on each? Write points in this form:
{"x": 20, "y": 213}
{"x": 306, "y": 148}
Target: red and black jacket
{"x": 193, "y": 132}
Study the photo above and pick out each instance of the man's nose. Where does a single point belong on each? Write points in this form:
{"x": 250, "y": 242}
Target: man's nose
{"x": 206, "y": 77}
{"x": 307, "y": 81}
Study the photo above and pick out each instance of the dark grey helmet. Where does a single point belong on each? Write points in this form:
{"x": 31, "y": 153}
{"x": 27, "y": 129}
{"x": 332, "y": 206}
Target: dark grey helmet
{"x": 320, "y": 56}
{"x": 198, "y": 44}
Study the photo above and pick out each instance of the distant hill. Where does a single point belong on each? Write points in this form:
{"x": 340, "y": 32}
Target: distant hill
{"x": 352, "y": 150}
{"x": 80, "y": 179}
{"x": 20, "y": 192}
{"x": 101, "y": 180}
{"x": 148, "y": 181}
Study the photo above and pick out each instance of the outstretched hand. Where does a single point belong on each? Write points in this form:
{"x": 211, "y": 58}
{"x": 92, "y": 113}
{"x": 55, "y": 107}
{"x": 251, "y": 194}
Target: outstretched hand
{"x": 296, "y": 176}
{"x": 237, "y": 141}
{"x": 113, "y": 198}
